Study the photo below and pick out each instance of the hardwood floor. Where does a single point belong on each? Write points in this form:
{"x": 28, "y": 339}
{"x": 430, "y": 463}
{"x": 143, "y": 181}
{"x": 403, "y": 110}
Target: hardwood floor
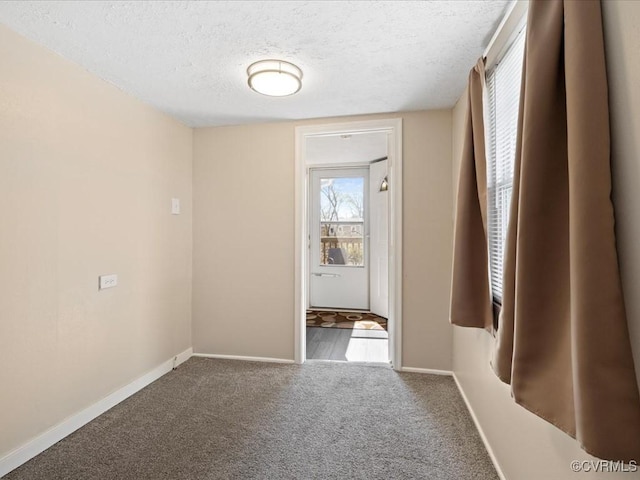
{"x": 345, "y": 344}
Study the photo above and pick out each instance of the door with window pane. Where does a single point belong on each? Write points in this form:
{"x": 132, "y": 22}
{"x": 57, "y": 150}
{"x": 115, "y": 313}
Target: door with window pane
{"x": 338, "y": 247}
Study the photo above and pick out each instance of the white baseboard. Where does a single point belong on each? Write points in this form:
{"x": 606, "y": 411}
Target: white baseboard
{"x": 430, "y": 371}
{"x": 487, "y": 445}
{"x": 183, "y": 357}
{"x": 43, "y": 441}
{"x": 246, "y": 359}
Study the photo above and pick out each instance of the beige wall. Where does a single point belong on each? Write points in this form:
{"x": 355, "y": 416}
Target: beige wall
{"x": 243, "y": 288}
{"x": 86, "y": 175}
{"x": 458, "y": 119}
{"x": 623, "y": 62}
{"x": 526, "y": 447}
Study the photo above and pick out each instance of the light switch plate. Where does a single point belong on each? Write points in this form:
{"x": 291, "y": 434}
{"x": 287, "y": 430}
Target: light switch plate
{"x": 108, "y": 281}
{"x": 175, "y": 206}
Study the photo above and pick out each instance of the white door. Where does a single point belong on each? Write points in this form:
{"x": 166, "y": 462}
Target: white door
{"x": 339, "y": 257}
{"x": 379, "y": 239}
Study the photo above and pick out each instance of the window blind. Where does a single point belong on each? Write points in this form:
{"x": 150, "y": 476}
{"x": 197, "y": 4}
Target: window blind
{"x": 503, "y": 88}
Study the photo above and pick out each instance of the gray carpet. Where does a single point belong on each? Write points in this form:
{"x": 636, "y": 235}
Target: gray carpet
{"x": 225, "y": 419}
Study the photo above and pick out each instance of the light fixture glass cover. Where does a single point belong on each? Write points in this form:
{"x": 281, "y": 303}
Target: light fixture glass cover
{"x": 275, "y": 78}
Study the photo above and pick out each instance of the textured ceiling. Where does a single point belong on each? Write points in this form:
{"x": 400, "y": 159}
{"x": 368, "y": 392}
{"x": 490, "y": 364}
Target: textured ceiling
{"x": 189, "y": 58}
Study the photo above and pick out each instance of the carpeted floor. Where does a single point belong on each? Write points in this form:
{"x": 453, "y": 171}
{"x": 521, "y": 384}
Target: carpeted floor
{"x": 225, "y": 419}
{"x": 351, "y": 320}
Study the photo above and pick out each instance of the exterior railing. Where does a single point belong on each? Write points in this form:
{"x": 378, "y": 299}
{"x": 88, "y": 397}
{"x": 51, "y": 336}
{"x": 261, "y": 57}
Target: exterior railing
{"x": 352, "y": 250}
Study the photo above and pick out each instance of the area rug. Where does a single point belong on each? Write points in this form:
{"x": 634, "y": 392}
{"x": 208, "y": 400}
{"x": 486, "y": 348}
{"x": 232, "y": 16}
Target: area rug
{"x": 353, "y": 320}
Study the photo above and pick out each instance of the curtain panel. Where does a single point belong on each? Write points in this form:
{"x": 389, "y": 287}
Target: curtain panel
{"x": 562, "y": 340}
{"x": 471, "y": 304}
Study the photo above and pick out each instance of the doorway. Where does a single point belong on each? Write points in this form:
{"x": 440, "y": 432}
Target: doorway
{"x": 349, "y": 236}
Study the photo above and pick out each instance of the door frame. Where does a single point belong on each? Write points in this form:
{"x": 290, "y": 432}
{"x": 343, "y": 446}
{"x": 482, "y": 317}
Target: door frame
{"x": 393, "y": 127}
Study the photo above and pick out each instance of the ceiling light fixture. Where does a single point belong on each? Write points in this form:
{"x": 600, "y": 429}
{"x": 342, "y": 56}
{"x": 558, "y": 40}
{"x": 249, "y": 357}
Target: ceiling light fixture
{"x": 275, "y": 78}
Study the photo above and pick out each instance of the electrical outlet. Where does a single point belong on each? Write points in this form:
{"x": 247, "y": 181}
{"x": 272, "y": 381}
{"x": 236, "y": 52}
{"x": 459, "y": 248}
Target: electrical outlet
{"x": 107, "y": 281}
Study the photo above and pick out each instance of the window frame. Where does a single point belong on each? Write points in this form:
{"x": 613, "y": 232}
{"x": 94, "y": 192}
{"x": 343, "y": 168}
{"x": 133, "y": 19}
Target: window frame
{"x": 497, "y": 184}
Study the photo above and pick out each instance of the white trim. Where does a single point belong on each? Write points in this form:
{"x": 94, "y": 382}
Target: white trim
{"x": 243, "y": 358}
{"x": 429, "y": 371}
{"x": 487, "y": 445}
{"x": 395, "y": 243}
{"x": 45, "y": 440}
{"x": 349, "y": 128}
{"x": 300, "y": 259}
{"x": 393, "y": 126}
{"x": 183, "y": 356}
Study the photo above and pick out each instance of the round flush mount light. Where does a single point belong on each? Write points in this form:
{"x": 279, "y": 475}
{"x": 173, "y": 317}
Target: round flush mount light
{"x": 275, "y": 78}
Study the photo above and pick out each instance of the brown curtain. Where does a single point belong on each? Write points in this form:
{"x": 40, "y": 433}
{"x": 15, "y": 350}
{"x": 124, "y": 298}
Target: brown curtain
{"x": 470, "y": 294}
{"x": 563, "y": 341}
